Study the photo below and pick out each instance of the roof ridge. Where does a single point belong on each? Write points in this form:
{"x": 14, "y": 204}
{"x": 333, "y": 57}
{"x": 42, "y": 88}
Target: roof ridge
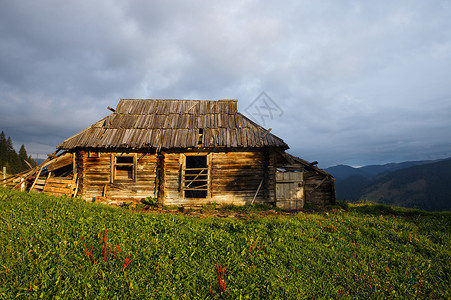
{"x": 171, "y": 99}
{"x": 137, "y": 123}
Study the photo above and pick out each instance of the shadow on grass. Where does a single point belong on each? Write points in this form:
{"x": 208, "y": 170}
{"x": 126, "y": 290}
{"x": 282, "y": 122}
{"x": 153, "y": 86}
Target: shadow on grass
{"x": 382, "y": 209}
{"x": 248, "y": 208}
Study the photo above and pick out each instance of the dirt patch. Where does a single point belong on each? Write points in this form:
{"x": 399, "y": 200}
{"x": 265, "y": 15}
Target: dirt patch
{"x": 202, "y": 213}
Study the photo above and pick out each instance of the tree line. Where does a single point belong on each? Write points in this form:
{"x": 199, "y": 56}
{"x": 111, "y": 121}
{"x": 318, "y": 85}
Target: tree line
{"x": 13, "y": 161}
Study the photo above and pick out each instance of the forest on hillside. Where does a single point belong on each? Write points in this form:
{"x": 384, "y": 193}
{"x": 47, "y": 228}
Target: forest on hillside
{"x": 413, "y": 184}
{"x": 13, "y": 161}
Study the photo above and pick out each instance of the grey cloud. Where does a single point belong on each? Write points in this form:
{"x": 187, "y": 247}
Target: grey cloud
{"x": 358, "y": 81}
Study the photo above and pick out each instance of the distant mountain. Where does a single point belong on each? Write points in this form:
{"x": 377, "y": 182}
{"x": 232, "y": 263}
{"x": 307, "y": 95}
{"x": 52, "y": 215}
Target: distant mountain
{"x": 351, "y": 182}
{"x": 352, "y": 187}
{"x": 342, "y": 172}
{"x": 424, "y": 186}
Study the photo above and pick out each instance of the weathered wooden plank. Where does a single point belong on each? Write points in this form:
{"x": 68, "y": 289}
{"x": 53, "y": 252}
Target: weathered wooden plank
{"x": 98, "y": 179}
{"x": 220, "y": 175}
{"x": 235, "y": 186}
{"x": 102, "y": 158}
{"x": 145, "y": 176}
{"x": 61, "y": 190}
{"x": 53, "y": 180}
{"x": 98, "y": 169}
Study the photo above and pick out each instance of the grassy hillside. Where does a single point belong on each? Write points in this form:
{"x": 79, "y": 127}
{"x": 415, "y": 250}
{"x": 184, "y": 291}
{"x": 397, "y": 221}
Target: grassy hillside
{"x": 370, "y": 251}
{"x": 420, "y": 184}
{"x": 424, "y": 187}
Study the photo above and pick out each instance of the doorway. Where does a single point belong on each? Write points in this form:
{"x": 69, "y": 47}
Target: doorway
{"x": 195, "y": 176}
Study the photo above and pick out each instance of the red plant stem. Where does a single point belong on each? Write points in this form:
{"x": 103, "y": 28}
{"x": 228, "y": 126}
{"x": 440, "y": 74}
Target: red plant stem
{"x": 212, "y": 293}
{"x": 126, "y": 262}
{"x": 89, "y": 253}
{"x": 220, "y": 270}
{"x": 117, "y": 251}
{"x": 105, "y": 251}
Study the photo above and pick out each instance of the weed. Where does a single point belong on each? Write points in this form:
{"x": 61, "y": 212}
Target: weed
{"x": 209, "y": 206}
{"x": 255, "y": 245}
{"x": 105, "y": 250}
{"x": 126, "y": 205}
{"x": 89, "y": 253}
{"x": 220, "y": 279}
{"x": 151, "y": 202}
{"x": 343, "y": 204}
{"x": 126, "y": 262}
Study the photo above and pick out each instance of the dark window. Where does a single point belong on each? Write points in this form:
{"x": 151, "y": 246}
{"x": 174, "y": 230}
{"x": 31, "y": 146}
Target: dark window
{"x": 200, "y": 138}
{"x": 195, "y": 183}
{"x": 124, "y": 168}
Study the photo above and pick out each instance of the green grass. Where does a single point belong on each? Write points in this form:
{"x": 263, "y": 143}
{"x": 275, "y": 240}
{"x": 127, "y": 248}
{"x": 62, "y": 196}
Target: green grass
{"x": 367, "y": 252}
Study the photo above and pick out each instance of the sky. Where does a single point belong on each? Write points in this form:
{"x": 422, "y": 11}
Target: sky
{"x": 341, "y": 82}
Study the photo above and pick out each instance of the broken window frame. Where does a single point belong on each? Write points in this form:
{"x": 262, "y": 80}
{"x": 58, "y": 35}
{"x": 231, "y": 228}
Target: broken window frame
{"x": 131, "y": 165}
{"x": 204, "y": 173}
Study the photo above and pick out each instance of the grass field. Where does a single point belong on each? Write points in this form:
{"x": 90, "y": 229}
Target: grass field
{"x": 54, "y": 248}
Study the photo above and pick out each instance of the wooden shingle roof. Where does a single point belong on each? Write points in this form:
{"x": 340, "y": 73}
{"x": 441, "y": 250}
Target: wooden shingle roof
{"x": 164, "y": 124}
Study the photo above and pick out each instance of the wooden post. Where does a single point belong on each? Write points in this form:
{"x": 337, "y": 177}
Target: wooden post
{"x": 36, "y": 179}
{"x": 256, "y": 193}
{"x": 22, "y": 184}
{"x": 4, "y": 176}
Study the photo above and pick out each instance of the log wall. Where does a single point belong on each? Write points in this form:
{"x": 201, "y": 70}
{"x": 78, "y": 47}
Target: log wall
{"x": 96, "y": 180}
{"x": 319, "y": 188}
{"x": 234, "y": 177}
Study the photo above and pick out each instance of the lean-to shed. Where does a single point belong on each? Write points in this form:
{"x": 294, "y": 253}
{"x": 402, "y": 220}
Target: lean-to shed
{"x": 187, "y": 153}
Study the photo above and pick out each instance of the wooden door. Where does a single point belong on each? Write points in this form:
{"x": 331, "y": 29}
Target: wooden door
{"x": 289, "y": 190}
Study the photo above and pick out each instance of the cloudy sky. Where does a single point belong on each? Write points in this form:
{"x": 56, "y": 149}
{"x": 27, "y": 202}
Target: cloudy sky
{"x": 350, "y": 82}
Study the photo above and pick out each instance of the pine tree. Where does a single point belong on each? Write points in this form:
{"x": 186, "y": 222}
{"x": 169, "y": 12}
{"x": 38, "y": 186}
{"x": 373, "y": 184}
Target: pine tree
{"x": 9, "y": 158}
{"x": 32, "y": 161}
{"x": 3, "y": 154}
{"x": 23, "y": 156}
{"x": 12, "y": 157}
{"x": 14, "y": 162}
{"x": 9, "y": 146}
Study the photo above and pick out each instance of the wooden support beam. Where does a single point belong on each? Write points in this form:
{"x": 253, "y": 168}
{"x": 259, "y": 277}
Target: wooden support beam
{"x": 36, "y": 179}
{"x": 256, "y": 193}
{"x": 105, "y": 190}
{"x": 28, "y": 164}
{"x": 318, "y": 185}
{"x": 76, "y": 185}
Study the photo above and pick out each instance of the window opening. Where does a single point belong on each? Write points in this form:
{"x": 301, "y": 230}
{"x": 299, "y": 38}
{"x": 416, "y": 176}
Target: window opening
{"x": 124, "y": 159}
{"x": 201, "y": 134}
{"x": 196, "y": 177}
{"x": 124, "y": 168}
{"x": 93, "y": 154}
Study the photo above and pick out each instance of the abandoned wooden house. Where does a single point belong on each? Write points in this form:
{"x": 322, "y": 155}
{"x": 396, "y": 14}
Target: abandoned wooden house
{"x": 187, "y": 153}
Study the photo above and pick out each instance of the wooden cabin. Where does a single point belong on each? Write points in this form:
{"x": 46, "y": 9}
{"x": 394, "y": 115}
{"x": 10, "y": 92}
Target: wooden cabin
{"x": 315, "y": 186}
{"x": 189, "y": 153}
